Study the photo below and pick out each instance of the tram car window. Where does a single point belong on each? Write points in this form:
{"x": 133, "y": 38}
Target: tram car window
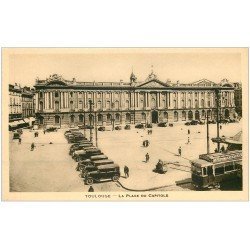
{"x": 219, "y": 170}
{"x": 229, "y": 166}
{"x": 238, "y": 165}
{"x": 204, "y": 171}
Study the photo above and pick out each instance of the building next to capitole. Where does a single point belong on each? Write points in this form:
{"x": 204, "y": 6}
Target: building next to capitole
{"x": 21, "y": 106}
{"x": 62, "y": 102}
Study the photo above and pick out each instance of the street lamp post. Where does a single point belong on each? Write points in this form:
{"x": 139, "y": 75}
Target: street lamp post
{"x": 96, "y": 137}
{"x": 113, "y": 117}
{"x": 90, "y": 120}
{"x": 208, "y": 146}
{"x": 218, "y": 117}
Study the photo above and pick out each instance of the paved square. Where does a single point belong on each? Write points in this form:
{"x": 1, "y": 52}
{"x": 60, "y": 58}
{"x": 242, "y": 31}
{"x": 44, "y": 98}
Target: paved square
{"x": 49, "y": 168}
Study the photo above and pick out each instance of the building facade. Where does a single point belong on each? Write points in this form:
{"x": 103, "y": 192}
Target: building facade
{"x": 15, "y": 102}
{"x": 238, "y": 98}
{"x": 28, "y": 109}
{"x": 61, "y": 102}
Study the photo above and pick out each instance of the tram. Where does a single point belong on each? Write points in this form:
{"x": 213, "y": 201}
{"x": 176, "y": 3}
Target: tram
{"x": 210, "y": 170}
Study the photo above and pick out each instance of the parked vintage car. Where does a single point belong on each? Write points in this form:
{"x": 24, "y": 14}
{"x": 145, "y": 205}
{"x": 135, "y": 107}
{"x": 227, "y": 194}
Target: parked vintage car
{"x": 162, "y": 124}
{"x": 101, "y": 129}
{"x": 149, "y": 125}
{"x": 98, "y": 157}
{"x": 93, "y": 158}
{"x": 140, "y": 125}
{"x": 93, "y": 166}
{"x": 51, "y": 129}
{"x": 85, "y": 154}
{"x": 104, "y": 172}
{"x": 80, "y": 147}
{"x": 127, "y": 127}
{"x": 118, "y": 127}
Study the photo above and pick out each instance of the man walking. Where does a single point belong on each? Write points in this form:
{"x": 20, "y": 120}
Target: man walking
{"x": 147, "y": 157}
{"x": 179, "y": 150}
{"x": 126, "y": 171}
{"x": 20, "y": 140}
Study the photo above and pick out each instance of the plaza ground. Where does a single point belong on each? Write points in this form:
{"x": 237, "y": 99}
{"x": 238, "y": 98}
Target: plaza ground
{"x": 49, "y": 168}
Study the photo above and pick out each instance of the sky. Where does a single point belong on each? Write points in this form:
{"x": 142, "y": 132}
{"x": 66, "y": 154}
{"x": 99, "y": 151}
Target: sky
{"x": 24, "y": 68}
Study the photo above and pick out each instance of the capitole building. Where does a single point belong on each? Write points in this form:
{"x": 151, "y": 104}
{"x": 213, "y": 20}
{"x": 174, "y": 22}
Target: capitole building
{"x": 61, "y": 102}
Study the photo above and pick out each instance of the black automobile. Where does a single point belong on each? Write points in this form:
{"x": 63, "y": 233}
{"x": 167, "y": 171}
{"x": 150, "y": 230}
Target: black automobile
{"x": 140, "y": 125}
{"x": 194, "y": 122}
{"x": 80, "y": 147}
{"x": 101, "y": 129}
{"x": 127, "y": 127}
{"x": 162, "y": 124}
{"x": 103, "y": 172}
{"x": 51, "y": 129}
{"x": 149, "y": 125}
{"x": 93, "y": 166}
{"x": 118, "y": 127}
{"x": 86, "y": 154}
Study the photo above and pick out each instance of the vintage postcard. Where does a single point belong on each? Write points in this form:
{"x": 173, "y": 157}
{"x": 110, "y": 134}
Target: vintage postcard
{"x": 125, "y": 124}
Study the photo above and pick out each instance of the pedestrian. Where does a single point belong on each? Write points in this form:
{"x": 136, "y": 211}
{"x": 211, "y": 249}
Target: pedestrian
{"x": 179, "y": 150}
{"x": 222, "y": 149}
{"x": 188, "y": 132}
{"x": 32, "y": 146}
{"x": 44, "y": 131}
{"x": 37, "y": 134}
{"x": 188, "y": 142}
{"x": 20, "y": 140}
{"x": 91, "y": 189}
{"x": 126, "y": 171}
{"x": 147, "y": 157}
{"x": 220, "y": 126}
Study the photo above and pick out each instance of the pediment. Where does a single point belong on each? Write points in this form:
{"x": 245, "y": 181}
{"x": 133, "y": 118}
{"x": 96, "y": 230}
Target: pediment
{"x": 153, "y": 84}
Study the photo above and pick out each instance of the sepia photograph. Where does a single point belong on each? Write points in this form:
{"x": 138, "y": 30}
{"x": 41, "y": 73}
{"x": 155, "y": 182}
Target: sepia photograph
{"x": 127, "y": 123}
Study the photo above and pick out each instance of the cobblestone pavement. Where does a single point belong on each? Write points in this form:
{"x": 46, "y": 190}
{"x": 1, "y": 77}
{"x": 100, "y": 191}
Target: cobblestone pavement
{"x": 49, "y": 168}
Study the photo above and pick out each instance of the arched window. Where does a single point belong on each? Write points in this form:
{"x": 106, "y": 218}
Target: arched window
{"x": 57, "y": 119}
{"x": 100, "y": 119}
{"x": 141, "y": 103}
{"x": 117, "y": 118}
{"x": 165, "y": 116}
{"x": 189, "y": 103}
{"x": 196, "y": 104}
{"x": 71, "y": 105}
{"x": 72, "y": 118}
{"x": 81, "y": 118}
{"x": 183, "y": 116}
{"x": 209, "y": 114}
{"x": 127, "y": 104}
{"x": 203, "y": 114}
{"x": 91, "y": 119}
{"x": 197, "y": 115}
{"x": 56, "y": 94}
{"x": 56, "y": 105}
{"x": 190, "y": 115}
{"x": 128, "y": 118}
{"x": 116, "y": 104}
{"x": 41, "y": 106}
{"x": 41, "y": 94}
{"x": 202, "y": 103}
{"x": 176, "y": 116}
{"x": 108, "y": 104}
{"x": 175, "y": 104}
{"x": 109, "y": 118}
{"x": 71, "y": 94}
{"x": 182, "y": 104}
{"x": 99, "y": 105}
{"x": 143, "y": 117}
{"x": 41, "y": 120}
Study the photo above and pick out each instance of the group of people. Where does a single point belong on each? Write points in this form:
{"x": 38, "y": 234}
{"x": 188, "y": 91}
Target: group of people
{"x": 150, "y": 131}
{"x": 36, "y": 134}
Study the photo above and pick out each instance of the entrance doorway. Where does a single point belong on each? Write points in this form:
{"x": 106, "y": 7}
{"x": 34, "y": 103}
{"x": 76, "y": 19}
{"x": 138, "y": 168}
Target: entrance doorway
{"x": 154, "y": 115}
